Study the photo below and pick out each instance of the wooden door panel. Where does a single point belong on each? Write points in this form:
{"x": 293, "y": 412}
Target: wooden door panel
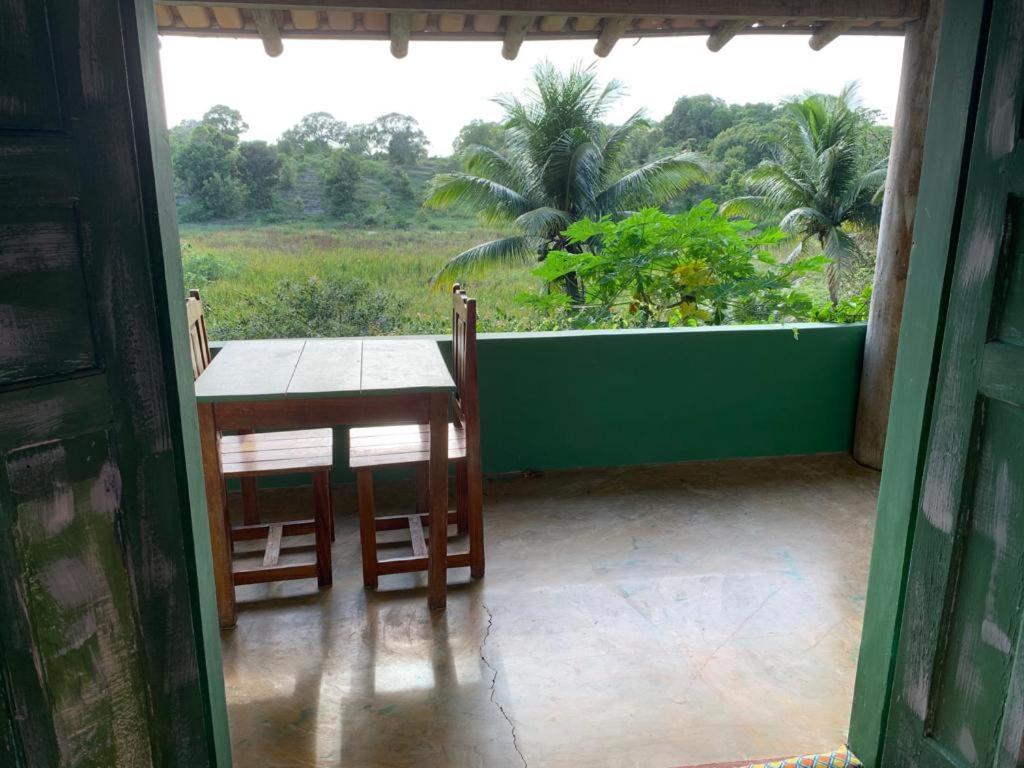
{"x": 30, "y": 99}
{"x": 46, "y": 327}
{"x": 65, "y": 496}
{"x": 958, "y": 693}
{"x": 103, "y": 660}
{"x": 984, "y": 596}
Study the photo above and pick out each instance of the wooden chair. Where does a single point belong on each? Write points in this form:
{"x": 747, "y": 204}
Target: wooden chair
{"x": 254, "y": 455}
{"x": 409, "y": 445}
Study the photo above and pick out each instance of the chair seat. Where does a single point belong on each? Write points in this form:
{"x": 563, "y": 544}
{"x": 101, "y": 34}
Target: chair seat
{"x": 400, "y": 445}
{"x": 276, "y": 453}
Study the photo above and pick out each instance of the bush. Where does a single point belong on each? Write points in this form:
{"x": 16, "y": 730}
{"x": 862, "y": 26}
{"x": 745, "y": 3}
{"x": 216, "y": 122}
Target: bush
{"x": 325, "y": 306}
{"x": 202, "y": 268}
{"x": 341, "y": 182}
{"x": 694, "y": 268}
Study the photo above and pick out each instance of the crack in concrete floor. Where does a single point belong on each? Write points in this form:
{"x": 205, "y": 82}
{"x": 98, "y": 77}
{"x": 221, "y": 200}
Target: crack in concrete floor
{"x": 494, "y": 684}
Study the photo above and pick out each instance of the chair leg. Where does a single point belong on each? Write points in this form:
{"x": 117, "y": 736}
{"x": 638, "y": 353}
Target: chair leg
{"x": 227, "y": 515}
{"x": 330, "y": 502}
{"x": 461, "y": 498}
{"x": 322, "y": 510}
{"x": 367, "y": 527}
{"x": 475, "y": 504}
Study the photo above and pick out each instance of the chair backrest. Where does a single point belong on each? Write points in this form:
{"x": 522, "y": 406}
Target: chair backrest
{"x": 198, "y": 342}
{"x": 467, "y": 401}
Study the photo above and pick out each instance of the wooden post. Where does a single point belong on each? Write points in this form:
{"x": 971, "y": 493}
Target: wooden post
{"x": 896, "y": 236}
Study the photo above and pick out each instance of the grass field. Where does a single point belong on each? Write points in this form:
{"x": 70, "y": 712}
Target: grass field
{"x": 279, "y": 281}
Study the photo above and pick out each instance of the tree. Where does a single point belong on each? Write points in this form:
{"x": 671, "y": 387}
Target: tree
{"x": 315, "y": 132}
{"x": 259, "y": 169}
{"x": 225, "y": 120}
{"x": 696, "y": 120}
{"x": 208, "y": 167}
{"x": 480, "y": 133}
{"x": 822, "y": 185}
{"x": 341, "y": 182}
{"x": 561, "y": 163}
{"x": 399, "y": 136}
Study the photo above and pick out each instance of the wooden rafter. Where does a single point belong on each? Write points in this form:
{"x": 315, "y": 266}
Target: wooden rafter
{"x": 514, "y": 21}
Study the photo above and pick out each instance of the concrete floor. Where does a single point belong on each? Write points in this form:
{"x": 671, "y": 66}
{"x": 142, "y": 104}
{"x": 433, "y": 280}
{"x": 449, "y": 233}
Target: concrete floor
{"x": 635, "y": 617}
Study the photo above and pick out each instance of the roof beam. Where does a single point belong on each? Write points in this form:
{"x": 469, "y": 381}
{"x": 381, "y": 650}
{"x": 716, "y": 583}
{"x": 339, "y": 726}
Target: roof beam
{"x": 611, "y": 31}
{"x": 827, "y": 34}
{"x": 270, "y": 32}
{"x": 764, "y": 10}
{"x": 725, "y": 32}
{"x": 401, "y": 25}
{"x": 516, "y": 28}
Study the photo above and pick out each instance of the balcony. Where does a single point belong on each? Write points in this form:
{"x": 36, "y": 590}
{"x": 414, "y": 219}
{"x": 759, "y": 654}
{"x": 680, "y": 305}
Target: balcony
{"x": 655, "y": 595}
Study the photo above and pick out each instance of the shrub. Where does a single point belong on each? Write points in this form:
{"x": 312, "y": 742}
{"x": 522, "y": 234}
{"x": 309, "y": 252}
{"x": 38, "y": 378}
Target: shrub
{"x": 201, "y": 268}
{"x": 694, "y": 268}
{"x": 329, "y": 305}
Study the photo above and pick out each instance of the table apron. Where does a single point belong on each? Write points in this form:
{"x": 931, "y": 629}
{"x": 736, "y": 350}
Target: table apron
{"x": 294, "y": 413}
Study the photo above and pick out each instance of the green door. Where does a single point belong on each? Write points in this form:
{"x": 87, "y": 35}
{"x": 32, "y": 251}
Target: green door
{"x": 102, "y": 660}
{"x": 958, "y": 692}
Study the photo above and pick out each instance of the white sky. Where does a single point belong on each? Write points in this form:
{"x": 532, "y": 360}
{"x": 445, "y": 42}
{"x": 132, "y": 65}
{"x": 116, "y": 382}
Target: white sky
{"x": 444, "y": 85}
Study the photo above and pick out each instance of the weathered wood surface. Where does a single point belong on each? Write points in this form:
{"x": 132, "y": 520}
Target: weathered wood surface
{"x": 250, "y": 370}
{"x": 896, "y": 237}
{"x": 958, "y": 692}
{"x": 942, "y": 183}
{"x": 793, "y": 10}
{"x": 100, "y": 657}
{"x": 247, "y": 371}
{"x": 100, "y": 601}
{"x": 328, "y": 366}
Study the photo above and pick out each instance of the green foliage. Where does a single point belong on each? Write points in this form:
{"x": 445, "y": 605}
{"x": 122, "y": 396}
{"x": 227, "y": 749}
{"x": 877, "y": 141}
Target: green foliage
{"x": 479, "y": 133}
{"x": 315, "y": 132}
{"x": 853, "y": 309}
{"x": 397, "y": 136}
{"x": 694, "y": 268}
{"x": 259, "y": 169}
{"x": 255, "y": 278}
{"x": 341, "y": 181}
{"x": 202, "y": 267}
{"x": 560, "y": 163}
{"x": 695, "y": 121}
{"x": 319, "y": 306}
{"x": 823, "y": 182}
{"x": 207, "y": 164}
{"x": 225, "y": 120}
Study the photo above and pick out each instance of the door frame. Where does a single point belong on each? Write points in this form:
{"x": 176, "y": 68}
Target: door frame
{"x": 145, "y": 93}
{"x": 957, "y": 79}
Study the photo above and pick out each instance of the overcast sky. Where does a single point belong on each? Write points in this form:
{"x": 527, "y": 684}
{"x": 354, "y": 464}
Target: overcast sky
{"x": 444, "y": 85}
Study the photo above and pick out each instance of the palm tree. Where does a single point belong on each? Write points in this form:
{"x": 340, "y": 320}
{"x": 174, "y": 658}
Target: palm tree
{"x": 820, "y": 184}
{"x": 560, "y": 163}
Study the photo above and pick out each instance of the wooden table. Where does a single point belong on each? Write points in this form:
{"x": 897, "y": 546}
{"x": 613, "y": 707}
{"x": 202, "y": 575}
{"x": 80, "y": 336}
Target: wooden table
{"x": 304, "y": 383}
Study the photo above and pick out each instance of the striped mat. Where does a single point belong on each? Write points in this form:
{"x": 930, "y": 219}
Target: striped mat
{"x": 841, "y": 758}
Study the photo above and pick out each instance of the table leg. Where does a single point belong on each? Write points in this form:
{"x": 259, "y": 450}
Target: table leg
{"x": 437, "y": 562}
{"x": 216, "y": 505}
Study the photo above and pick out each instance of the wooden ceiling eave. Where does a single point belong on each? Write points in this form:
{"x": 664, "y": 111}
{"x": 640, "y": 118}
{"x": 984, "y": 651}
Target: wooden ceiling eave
{"x": 513, "y": 21}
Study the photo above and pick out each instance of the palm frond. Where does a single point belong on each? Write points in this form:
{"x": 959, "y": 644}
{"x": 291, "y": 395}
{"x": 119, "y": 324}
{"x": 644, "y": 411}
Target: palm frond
{"x": 803, "y": 220}
{"x": 655, "y": 183}
{"x": 495, "y": 202}
{"x": 544, "y": 222}
{"x": 507, "y": 251}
